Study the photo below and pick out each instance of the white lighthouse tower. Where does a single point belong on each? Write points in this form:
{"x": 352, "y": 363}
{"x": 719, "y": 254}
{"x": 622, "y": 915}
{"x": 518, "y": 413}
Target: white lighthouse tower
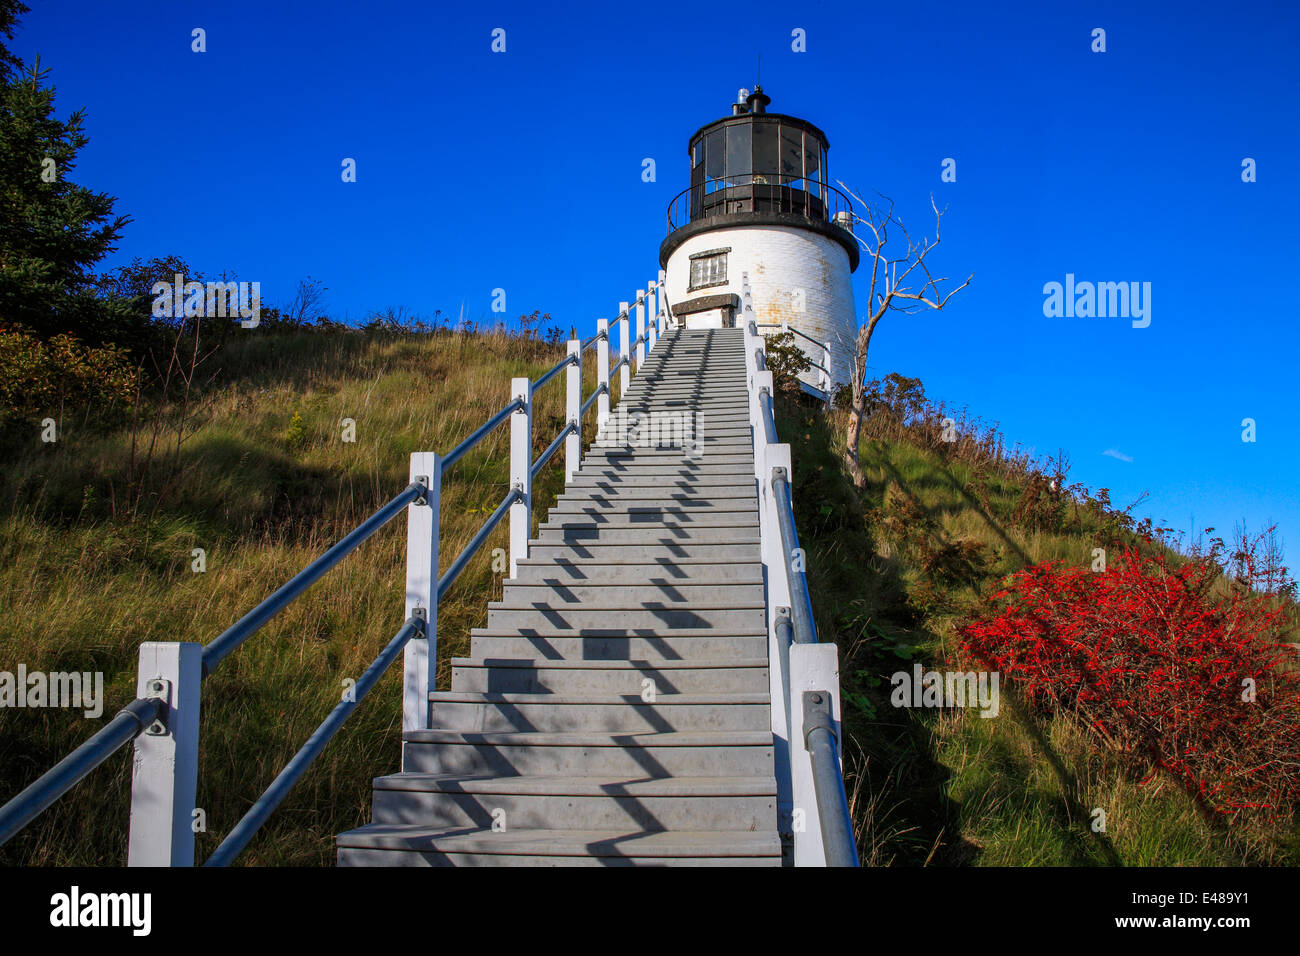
{"x": 760, "y": 203}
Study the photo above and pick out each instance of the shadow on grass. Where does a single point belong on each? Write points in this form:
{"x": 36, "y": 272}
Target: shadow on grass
{"x": 902, "y": 810}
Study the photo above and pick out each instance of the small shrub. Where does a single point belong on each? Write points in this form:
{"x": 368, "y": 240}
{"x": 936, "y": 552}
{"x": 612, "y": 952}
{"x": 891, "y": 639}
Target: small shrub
{"x": 787, "y": 362}
{"x": 40, "y": 378}
{"x": 296, "y": 433}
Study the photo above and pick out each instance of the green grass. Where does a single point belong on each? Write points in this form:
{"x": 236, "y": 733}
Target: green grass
{"x": 265, "y": 485}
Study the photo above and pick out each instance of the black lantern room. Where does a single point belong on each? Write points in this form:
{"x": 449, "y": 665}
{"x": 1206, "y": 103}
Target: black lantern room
{"x": 756, "y": 161}
{"x": 759, "y": 168}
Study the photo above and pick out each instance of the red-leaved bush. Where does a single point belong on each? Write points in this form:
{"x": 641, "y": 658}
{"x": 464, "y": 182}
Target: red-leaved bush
{"x": 1161, "y": 669}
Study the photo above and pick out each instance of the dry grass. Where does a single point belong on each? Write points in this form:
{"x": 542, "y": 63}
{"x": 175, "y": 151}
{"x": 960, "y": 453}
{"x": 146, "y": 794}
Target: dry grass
{"x": 80, "y": 589}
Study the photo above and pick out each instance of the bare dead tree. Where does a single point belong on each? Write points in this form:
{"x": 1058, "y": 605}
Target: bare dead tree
{"x": 307, "y": 301}
{"x": 899, "y": 283}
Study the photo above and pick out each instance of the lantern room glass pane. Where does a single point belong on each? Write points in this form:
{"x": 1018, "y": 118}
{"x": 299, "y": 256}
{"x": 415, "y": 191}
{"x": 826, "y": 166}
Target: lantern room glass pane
{"x": 811, "y": 153}
{"x": 740, "y": 157}
{"x": 715, "y": 154}
{"x": 767, "y": 144}
{"x": 791, "y": 155}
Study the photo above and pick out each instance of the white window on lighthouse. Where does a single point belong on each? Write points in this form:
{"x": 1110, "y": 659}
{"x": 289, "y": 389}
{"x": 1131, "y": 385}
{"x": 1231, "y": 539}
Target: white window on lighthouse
{"x": 708, "y": 269}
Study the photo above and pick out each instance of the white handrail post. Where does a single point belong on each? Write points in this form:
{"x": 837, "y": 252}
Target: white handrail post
{"x": 521, "y": 468}
{"x": 573, "y": 411}
{"x": 640, "y": 328}
{"x": 625, "y": 371}
{"x": 653, "y": 318}
{"x": 423, "y": 523}
{"x": 784, "y": 733}
{"x": 602, "y": 374}
{"x": 165, "y": 771}
{"x": 813, "y": 667}
{"x": 662, "y": 310}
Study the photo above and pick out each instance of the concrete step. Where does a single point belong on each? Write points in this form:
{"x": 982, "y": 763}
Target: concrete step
{"x": 659, "y": 399}
{"x": 632, "y": 593}
{"x": 683, "y": 645}
{"x": 571, "y": 514}
{"x": 689, "y": 484}
{"x": 734, "y": 499}
{"x": 605, "y": 678}
{"x": 566, "y": 802}
{"x": 717, "y": 436}
{"x": 723, "y": 753}
{"x": 653, "y": 399}
{"x": 650, "y": 534}
{"x": 668, "y": 554}
{"x": 664, "y": 519}
{"x": 616, "y": 461}
{"x": 566, "y": 573}
{"x": 399, "y": 845}
{"x": 684, "y": 469}
{"x": 618, "y": 457}
{"x": 644, "y": 619}
{"x": 452, "y": 710}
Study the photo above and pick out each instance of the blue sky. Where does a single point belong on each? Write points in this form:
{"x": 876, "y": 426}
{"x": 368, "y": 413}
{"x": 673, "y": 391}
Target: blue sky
{"x": 522, "y": 171}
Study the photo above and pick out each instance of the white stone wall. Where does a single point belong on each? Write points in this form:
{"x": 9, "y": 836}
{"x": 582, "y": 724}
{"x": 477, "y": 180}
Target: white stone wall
{"x": 783, "y": 262}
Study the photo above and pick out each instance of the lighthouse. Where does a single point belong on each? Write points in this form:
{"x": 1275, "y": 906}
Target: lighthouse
{"x": 760, "y": 204}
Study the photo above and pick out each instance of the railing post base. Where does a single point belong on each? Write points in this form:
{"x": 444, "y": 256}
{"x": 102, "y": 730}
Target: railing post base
{"x": 813, "y": 667}
{"x": 165, "y": 769}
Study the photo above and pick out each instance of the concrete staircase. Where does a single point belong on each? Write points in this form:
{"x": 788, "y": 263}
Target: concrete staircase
{"x": 616, "y": 709}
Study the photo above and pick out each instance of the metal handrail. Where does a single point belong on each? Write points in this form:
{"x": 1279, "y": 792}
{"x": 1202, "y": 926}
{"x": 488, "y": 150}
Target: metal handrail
{"x": 545, "y": 456}
{"x": 271, "y": 798}
{"x": 129, "y": 723}
{"x": 786, "y": 328}
{"x": 230, "y": 639}
{"x": 449, "y": 577}
{"x": 805, "y": 630}
{"x": 457, "y": 453}
{"x": 828, "y": 785}
{"x": 596, "y": 393}
{"x": 561, "y": 366}
{"x": 769, "y": 414}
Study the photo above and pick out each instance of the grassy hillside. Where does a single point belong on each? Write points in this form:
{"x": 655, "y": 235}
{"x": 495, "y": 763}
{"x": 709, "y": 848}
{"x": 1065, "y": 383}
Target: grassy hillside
{"x": 95, "y": 557}
{"x": 264, "y": 483}
{"x": 893, "y": 571}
